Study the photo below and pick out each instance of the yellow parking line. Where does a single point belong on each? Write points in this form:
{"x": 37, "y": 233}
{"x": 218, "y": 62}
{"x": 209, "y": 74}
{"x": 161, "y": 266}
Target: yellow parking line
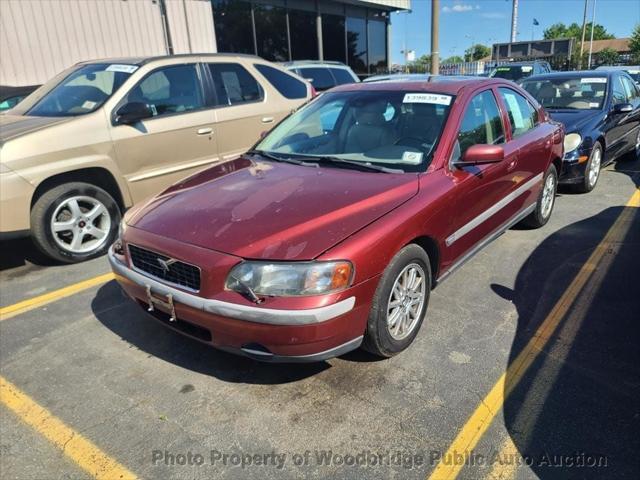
{"x": 89, "y": 457}
{"x": 481, "y": 418}
{"x": 35, "y": 302}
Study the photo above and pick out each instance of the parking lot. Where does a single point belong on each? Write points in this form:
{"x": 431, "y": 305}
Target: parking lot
{"x": 526, "y": 366}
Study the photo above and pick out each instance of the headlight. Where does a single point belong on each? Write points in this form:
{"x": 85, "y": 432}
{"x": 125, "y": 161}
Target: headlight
{"x": 571, "y": 142}
{"x": 290, "y": 279}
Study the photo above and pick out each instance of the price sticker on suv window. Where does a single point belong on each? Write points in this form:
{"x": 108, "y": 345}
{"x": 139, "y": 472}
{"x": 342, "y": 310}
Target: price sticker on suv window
{"x": 432, "y": 98}
{"x": 593, "y": 80}
{"x": 121, "y": 68}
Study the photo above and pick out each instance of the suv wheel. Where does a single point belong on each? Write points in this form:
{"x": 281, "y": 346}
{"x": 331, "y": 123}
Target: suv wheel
{"x": 400, "y": 303}
{"x": 74, "y": 222}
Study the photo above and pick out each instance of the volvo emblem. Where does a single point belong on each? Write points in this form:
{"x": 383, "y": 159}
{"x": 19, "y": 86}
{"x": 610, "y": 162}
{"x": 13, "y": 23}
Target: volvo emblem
{"x": 165, "y": 264}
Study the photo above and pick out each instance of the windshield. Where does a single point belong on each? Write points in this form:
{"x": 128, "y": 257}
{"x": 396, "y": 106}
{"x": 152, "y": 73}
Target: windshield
{"x": 394, "y": 129}
{"x": 83, "y": 91}
{"x": 513, "y": 72}
{"x": 573, "y": 93}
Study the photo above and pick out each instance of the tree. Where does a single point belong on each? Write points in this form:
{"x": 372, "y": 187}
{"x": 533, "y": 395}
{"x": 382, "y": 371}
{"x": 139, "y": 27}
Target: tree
{"x": 453, "y": 59}
{"x": 634, "y": 43}
{"x": 420, "y": 65}
{"x": 608, "y": 56}
{"x": 476, "y": 52}
{"x": 560, "y": 30}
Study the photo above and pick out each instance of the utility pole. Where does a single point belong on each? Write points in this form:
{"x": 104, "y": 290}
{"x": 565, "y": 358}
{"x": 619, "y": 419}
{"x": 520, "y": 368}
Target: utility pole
{"x": 593, "y": 24}
{"x": 435, "y": 27}
{"x": 514, "y": 21}
{"x": 584, "y": 31}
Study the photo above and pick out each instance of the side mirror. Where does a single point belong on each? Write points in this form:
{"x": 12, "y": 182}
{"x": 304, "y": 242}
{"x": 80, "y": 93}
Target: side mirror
{"x": 131, "y": 113}
{"x": 481, "y": 154}
{"x": 622, "y": 108}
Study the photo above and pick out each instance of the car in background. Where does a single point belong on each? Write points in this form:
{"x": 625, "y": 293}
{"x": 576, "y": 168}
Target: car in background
{"x": 632, "y": 70}
{"x": 322, "y": 75}
{"x": 600, "y": 110}
{"x": 11, "y": 96}
{"x": 325, "y": 237}
{"x": 517, "y": 71}
{"x": 106, "y": 134}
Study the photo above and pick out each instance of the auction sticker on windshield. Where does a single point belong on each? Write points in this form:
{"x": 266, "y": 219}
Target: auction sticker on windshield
{"x": 121, "y": 68}
{"x": 593, "y": 80}
{"x": 433, "y": 98}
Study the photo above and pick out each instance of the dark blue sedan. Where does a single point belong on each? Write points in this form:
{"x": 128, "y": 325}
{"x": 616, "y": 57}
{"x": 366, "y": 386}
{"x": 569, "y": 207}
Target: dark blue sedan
{"x": 600, "y": 111}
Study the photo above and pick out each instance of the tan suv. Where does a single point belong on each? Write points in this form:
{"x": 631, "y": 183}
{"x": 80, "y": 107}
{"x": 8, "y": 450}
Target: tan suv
{"x": 103, "y": 135}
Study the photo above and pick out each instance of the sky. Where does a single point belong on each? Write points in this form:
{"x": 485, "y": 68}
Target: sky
{"x": 465, "y": 22}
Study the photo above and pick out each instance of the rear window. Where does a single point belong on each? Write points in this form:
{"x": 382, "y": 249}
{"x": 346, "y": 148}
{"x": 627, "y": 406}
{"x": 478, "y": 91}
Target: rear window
{"x": 342, "y": 76}
{"x": 287, "y": 85}
{"x": 320, "y": 78}
{"x": 513, "y": 73}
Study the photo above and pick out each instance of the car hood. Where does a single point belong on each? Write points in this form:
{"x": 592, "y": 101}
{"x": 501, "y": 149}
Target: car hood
{"x": 575, "y": 120}
{"x": 271, "y": 210}
{"x": 12, "y": 126}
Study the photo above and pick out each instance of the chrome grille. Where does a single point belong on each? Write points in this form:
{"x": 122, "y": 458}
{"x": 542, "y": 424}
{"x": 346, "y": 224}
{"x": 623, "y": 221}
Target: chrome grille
{"x": 176, "y": 272}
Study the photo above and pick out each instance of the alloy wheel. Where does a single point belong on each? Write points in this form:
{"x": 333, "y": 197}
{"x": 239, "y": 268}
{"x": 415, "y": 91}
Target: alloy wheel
{"x": 80, "y": 224}
{"x": 548, "y": 196}
{"x": 594, "y": 167}
{"x": 406, "y": 301}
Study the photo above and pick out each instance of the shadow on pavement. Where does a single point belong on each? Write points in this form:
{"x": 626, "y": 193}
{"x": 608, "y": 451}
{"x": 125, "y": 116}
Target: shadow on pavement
{"x": 127, "y": 320}
{"x": 578, "y": 404}
{"x": 22, "y": 252}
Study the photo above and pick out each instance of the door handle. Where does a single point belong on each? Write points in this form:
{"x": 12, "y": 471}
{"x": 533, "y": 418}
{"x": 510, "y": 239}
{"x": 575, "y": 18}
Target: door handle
{"x": 205, "y": 131}
{"x": 267, "y": 119}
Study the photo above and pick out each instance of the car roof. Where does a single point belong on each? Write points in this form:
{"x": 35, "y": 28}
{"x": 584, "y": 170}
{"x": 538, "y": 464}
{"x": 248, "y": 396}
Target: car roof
{"x": 311, "y": 63}
{"x": 618, "y": 67}
{"x": 450, "y": 85}
{"x": 144, "y": 60}
{"x": 576, "y": 74}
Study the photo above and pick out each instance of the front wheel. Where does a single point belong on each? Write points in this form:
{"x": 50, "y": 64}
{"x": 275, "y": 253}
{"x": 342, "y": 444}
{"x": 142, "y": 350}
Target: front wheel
{"x": 546, "y": 200}
{"x": 400, "y": 303}
{"x": 592, "y": 170}
{"x": 74, "y": 222}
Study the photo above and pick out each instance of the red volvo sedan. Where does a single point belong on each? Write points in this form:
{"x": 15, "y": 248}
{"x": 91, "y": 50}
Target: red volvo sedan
{"x": 332, "y": 231}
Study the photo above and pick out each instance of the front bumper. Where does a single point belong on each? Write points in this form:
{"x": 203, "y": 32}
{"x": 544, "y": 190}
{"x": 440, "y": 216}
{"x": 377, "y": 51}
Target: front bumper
{"x": 574, "y": 166}
{"x": 274, "y": 335}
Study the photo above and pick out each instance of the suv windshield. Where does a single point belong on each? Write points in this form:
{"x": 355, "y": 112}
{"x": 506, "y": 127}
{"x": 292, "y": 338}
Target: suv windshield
{"x": 394, "y": 129}
{"x": 513, "y": 72}
{"x": 573, "y": 93}
{"x": 83, "y": 90}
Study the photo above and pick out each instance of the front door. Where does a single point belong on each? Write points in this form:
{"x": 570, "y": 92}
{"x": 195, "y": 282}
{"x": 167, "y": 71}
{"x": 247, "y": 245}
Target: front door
{"x": 179, "y": 139}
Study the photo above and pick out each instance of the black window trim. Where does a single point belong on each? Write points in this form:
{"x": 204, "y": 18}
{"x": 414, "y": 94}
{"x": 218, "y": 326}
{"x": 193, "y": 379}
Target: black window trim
{"x": 201, "y": 82}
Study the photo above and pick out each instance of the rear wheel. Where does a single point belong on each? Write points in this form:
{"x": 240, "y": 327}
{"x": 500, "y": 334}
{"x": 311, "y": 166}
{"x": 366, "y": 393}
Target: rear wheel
{"x": 546, "y": 200}
{"x": 74, "y": 222}
{"x": 592, "y": 170}
{"x": 400, "y": 303}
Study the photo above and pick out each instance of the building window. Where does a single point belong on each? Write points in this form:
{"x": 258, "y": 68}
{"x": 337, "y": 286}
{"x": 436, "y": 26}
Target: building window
{"x": 271, "y": 32}
{"x": 357, "y": 45}
{"x": 304, "y": 36}
{"x": 333, "y": 38}
{"x": 377, "y": 47}
{"x": 233, "y": 26}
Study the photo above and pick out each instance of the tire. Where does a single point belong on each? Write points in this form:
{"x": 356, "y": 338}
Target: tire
{"x": 540, "y": 216}
{"x": 86, "y": 218}
{"x": 379, "y": 337}
{"x": 589, "y": 183}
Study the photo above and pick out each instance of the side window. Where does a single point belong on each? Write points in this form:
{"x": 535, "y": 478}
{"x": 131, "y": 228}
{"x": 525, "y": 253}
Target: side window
{"x": 630, "y": 88}
{"x": 319, "y": 77}
{"x": 234, "y": 84}
{"x": 619, "y": 93}
{"x": 167, "y": 90}
{"x": 287, "y": 85}
{"x": 481, "y": 124}
{"x": 522, "y": 115}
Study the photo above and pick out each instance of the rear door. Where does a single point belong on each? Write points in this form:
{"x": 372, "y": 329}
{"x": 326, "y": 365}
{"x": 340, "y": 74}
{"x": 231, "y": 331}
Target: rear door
{"x": 480, "y": 188}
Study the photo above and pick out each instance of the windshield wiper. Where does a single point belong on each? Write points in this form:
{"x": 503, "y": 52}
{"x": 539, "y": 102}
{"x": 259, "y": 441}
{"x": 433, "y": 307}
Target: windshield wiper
{"x": 361, "y": 165}
{"x": 276, "y": 158}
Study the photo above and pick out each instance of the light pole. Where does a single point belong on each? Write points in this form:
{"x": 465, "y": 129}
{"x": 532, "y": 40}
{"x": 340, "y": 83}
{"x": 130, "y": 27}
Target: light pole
{"x": 435, "y": 27}
{"x": 593, "y": 23}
